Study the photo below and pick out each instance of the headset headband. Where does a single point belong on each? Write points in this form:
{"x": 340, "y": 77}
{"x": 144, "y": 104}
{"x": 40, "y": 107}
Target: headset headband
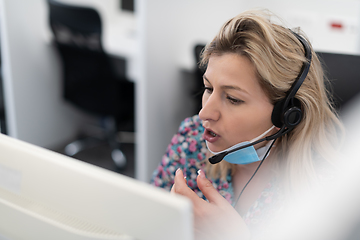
{"x": 303, "y": 72}
{"x": 287, "y": 111}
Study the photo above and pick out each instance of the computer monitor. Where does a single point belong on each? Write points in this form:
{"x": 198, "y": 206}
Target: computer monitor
{"x": 46, "y": 195}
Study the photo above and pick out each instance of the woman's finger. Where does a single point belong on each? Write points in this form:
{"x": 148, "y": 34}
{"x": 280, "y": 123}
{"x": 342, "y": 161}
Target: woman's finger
{"x": 180, "y": 187}
{"x": 173, "y": 189}
{"x": 208, "y": 189}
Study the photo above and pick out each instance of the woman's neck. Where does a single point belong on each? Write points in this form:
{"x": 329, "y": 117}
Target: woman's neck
{"x": 242, "y": 175}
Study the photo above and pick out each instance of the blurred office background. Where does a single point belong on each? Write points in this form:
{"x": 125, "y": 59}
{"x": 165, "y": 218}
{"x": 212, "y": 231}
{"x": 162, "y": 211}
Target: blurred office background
{"x": 154, "y": 44}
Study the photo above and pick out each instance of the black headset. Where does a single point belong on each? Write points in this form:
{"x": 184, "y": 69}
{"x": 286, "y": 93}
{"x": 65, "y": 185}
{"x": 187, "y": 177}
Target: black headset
{"x": 287, "y": 113}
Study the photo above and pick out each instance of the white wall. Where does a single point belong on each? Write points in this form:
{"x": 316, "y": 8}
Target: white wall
{"x": 204, "y": 18}
{"x": 315, "y": 18}
{"x": 35, "y": 110}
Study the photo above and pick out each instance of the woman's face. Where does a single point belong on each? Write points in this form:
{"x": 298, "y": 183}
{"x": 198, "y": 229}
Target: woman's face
{"x": 234, "y": 106}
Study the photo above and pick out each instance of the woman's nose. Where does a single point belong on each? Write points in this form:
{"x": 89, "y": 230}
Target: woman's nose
{"x": 210, "y": 108}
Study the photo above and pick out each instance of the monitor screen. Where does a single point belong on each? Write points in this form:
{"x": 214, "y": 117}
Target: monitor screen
{"x": 46, "y": 195}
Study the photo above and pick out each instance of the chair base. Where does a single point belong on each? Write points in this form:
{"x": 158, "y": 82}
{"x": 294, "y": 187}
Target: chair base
{"x": 107, "y": 135}
{"x": 80, "y": 145}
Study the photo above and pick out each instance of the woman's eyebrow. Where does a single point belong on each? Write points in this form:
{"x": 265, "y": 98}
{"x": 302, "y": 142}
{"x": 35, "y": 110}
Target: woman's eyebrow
{"x": 204, "y": 77}
{"x": 231, "y": 87}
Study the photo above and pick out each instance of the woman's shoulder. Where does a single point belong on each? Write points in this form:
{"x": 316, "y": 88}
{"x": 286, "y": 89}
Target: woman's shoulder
{"x": 189, "y": 135}
{"x": 188, "y": 142}
{"x": 191, "y": 126}
{"x": 187, "y": 150}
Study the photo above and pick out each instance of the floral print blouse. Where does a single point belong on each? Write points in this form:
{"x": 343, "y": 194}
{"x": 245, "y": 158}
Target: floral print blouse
{"x": 187, "y": 151}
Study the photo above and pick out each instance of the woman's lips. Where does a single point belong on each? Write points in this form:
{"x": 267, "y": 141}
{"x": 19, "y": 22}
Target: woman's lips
{"x": 210, "y": 136}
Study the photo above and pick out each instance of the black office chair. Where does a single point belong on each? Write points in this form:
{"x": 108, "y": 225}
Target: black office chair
{"x": 90, "y": 80}
{"x": 199, "y": 72}
{"x": 344, "y": 73}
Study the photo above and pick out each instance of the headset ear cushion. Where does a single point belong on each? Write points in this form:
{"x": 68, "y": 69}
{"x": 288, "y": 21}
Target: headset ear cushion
{"x": 277, "y": 114}
{"x": 292, "y": 116}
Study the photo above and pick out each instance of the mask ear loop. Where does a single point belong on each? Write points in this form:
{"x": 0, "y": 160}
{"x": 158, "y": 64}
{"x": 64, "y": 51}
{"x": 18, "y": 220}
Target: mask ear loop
{"x": 263, "y": 134}
{"x": 267, "y": 152}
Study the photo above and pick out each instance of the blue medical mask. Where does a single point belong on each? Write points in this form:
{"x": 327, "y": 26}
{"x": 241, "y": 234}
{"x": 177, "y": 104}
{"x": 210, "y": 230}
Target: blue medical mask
{"x": 246, "y": 155}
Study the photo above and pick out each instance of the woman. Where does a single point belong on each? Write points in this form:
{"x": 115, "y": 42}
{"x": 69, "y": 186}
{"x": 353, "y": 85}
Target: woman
{"x": 251, "y": 65}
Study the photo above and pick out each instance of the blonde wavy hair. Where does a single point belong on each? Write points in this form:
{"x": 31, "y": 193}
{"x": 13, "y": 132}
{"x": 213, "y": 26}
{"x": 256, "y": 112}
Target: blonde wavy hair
{"x": 278, "y": 57}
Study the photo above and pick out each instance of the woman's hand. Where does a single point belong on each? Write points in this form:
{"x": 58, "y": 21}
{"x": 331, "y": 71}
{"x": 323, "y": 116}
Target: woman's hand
{"x": 215, "y": 219}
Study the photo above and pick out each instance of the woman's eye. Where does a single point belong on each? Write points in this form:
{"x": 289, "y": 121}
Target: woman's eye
{"x": 208, "y": 89}
{"x": 234, "y": 100}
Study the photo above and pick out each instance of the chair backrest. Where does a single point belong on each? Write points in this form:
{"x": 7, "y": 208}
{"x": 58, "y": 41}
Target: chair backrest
{"x": 75, "y": 26}
{"x": 90, "y": 80}
{"x": 344, "y": 74}
{"x": 198, "y": 88}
